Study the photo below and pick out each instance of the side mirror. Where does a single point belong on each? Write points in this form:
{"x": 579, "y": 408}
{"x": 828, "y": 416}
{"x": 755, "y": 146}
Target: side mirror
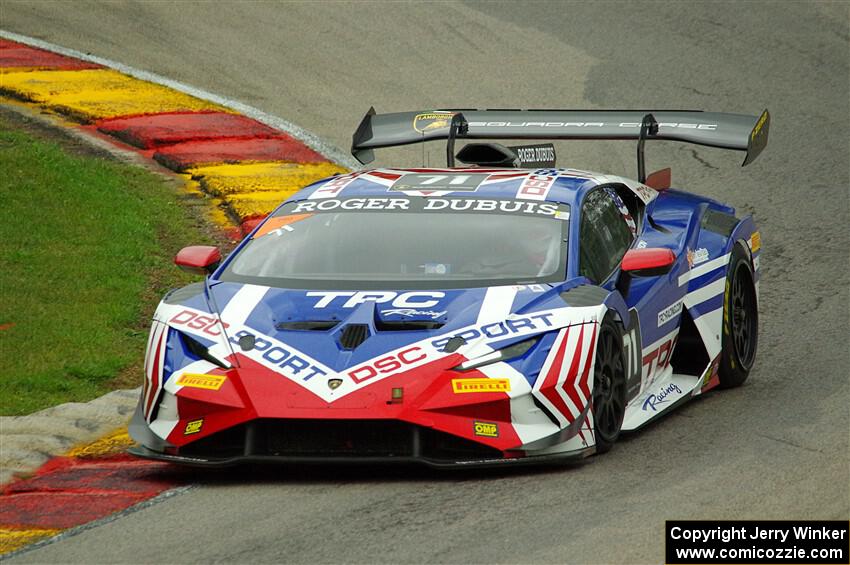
{"x": 659, "y": 180}
{"x": 649, "y": 262}
{"x": 198, "y": 259}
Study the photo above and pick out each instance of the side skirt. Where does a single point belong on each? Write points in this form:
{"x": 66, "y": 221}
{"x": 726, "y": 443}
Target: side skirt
{"x": 662, "y": 396}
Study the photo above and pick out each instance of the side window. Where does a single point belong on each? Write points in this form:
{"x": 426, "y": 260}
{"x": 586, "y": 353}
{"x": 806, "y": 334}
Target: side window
{"x": 631, "y": 205}
{"x": 604, "y": 235}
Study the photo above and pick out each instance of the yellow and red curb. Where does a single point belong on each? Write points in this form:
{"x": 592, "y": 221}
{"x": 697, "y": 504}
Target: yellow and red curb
{"x": 12, "y": 539}
{"x": 245, "y": 166}
{"x": 89, "y": 482}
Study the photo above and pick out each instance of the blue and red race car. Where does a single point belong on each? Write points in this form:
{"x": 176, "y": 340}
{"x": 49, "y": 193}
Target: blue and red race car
{"x": 500, "y": 312}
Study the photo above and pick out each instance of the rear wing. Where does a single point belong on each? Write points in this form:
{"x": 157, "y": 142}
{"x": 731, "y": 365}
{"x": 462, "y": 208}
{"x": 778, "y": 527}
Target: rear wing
{"x": 727, "y": 131}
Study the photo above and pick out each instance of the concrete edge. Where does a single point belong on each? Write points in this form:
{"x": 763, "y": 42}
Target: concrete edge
{"x": 313, "y": 141}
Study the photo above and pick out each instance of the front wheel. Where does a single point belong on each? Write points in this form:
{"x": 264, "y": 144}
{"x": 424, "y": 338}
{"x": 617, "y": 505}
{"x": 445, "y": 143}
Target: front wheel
{"x": 609, "y": 386}
{"x": 740, "y": 321}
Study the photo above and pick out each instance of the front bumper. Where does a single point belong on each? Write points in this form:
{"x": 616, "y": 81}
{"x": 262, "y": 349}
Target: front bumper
{"x": 301, "y": 441}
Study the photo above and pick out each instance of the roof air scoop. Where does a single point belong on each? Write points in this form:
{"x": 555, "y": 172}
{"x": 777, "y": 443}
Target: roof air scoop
{"x": 496, "y": 155}
{"x": 487, "y": 155}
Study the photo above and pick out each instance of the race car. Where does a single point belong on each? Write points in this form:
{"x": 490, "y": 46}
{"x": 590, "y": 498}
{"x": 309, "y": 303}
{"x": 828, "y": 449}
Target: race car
{"x": 498, "y": 312}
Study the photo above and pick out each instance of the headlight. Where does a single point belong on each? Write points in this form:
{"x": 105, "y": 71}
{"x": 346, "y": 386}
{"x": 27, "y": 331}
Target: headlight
{"x": 504, "y": 354}
{"x": 200, "y": 351}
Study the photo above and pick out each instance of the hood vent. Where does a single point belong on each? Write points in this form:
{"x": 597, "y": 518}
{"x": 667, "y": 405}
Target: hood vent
{"x": 353, "y": 335}
{"x": 316, "y": 326}
{"x": 407, "y": 325}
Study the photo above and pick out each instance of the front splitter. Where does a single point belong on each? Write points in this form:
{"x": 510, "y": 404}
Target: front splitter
{"x": 560, "y": 458}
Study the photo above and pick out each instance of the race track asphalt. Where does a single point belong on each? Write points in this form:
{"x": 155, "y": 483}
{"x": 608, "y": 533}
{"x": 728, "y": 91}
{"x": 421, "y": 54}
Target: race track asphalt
{"x": 775, "y": 448}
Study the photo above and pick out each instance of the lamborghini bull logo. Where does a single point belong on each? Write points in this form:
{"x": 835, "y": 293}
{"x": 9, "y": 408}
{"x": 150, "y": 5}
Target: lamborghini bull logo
{"x": 424, "y": 123}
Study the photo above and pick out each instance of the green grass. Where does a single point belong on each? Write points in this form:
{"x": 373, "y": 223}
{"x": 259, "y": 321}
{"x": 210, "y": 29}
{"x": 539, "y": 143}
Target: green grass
{"x": 85, "y": 251}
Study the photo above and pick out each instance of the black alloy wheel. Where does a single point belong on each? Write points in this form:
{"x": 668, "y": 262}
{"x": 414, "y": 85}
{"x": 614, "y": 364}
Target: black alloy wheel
{"x": 740, "y": 321}
{"x": 743, "y": 318}
{"x": 609, "y": 386}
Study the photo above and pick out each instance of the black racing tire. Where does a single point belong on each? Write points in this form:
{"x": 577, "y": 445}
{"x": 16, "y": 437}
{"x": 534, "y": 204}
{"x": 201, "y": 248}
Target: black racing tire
{"x": 609, "y": 385}
{"x": 740, "y": 320}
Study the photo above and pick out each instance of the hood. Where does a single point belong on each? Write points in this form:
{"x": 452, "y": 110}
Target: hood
{"x": 315, "y": 321}
{"x": 363, "y": 336}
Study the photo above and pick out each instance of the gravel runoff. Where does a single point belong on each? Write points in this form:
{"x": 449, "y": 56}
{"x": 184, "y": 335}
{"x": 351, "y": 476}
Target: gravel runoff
{"x": 29, "y": 441}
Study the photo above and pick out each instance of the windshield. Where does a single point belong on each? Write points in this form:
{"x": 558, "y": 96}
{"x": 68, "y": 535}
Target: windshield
{"x": 396, "y": 243}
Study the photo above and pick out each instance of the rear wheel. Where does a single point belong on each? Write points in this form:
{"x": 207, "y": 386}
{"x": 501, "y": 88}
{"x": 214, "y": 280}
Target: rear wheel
{"x": 609, "y": 386}
{"x": 740, "y": 321}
